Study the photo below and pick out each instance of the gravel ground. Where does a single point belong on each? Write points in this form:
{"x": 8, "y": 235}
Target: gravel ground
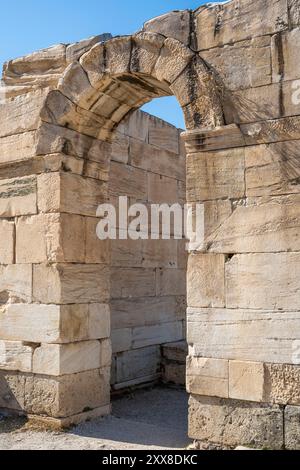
{"x": 150, "y": 419}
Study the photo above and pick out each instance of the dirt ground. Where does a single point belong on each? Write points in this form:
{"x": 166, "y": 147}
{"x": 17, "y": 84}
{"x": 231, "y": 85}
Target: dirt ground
{"x": 151, "y": 419}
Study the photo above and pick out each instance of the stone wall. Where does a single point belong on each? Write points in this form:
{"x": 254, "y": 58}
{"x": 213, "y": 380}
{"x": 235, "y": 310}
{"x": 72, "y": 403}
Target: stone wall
{"x": 148, "y": 277}
{"x": 233, "y": 68}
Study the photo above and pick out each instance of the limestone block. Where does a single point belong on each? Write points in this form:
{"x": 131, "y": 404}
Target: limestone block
{"x": 171, "y": 282}
{"x": 151, "y": 158}
{"x": 61, "y": 111}
{"x": 120, "y": 148}
{"x": 271, "y": 225}
{"x": 98, "y": 321}
{"x": 105, "y": 353}
{"x": 18, "y": 196}
{"x": 70, "y": 283}
{"x": 290, "y": 40}
{"x": 15, "y": 356}
{"x": 246, "y": 381}
{"x": 17, "y": 147}
{"x": 242, "y": 65}
{"x": 206, "y": 281}
{"x": 126, "y": 253}
{"x": 173, "y": 59}
{"x": 128, "y": 181}
{"x": 272, "y": 169}
{"x": 146, "y": 47}
{"x": 294, "y": 12}
{"x": 121, "y": 340}
{"x": 56, "y": 139}
{"x": 15, "y": 283}
{"x": 76, "y": 50}
{"x": 272, "y": 130}
{"x": 50, "y": 237}
{"x": 132, "y": 282}
{"x": 136, "y": 125}
{"x": 175, "y": 24}
{"x": 282, "y": 383}
{"x": 162, "y": 189}
{"x": 146, "y": 311}
{"x": 75, "y": 85}
{"x": 163, "y": 135}
{"x": 36, "y": 68}
{"x": 68, "y": 395}
{"x": 176, "y": 352}
{"x": 117, "y": 55}
{"x": 207, "y": 377}
{"x": 232, "y": 422}
{"x": 174, "y": 373}
{"x": 291, "y": 105}
{"x": 219, "y": 24}
{"x": 263, "y": 281}
{"x": 22, "y": 114}
{"x": 69, "y": 193}
{"x": 96, "y": 251}
{"x": 53, "y": 323}
{"x": 7, "y": 242}
{"x": 156, "y": 334}
{"x": 292, "y": 427}
{"x": 137, "y": 363}
{"x": 244, "y": 335}
{"x": 253, "y": 104}
{"x": 12, "y": 386}
{"x": 63, "y": 359}
{"x": 216, "y": 175}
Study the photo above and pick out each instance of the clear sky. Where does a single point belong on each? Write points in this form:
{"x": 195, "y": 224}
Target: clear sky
{"x": 28, "y": 25}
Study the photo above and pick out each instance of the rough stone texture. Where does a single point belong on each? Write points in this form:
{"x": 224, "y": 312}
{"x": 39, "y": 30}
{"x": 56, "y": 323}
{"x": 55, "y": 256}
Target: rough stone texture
{"x": 292, "y": 427}
{"x": 233, "y": 422}
{"x": 69, "y": 141}
{"x": 207, "y": 377}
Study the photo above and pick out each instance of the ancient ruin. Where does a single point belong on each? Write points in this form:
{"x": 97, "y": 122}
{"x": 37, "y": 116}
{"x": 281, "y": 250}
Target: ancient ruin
{"x": 79, "y": 315}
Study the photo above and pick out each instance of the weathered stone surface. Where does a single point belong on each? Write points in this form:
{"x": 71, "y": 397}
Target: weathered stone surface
{"x": 162, "y": 189}
{"x": 128, "y": 181}
{"x": 21, "y": 114}
{"x": 7, "y": 242}
{"x": 12, "y": 386}
{"x": 171, "y": 282}
{"x": 263, "y": 281}
{"x": 292, "y": 427}
{"x": 137, "y": 363}
{"x": 53, "y": 323}
{"x": 270, "y": 225}
{"x": 157, "y": 334}
{"x": 50, "y": 237}
{"x": 136, "y": 125}
{"x": 175, "y": 24}
{"x": 206, "y": 281}
{"x": 65, "y": 192}
{"x": 173, "y": 59}
{"x": 132, "y": 283}
{"x": 96, "y": 251}
{"x": 17, "y": 147}
{"x": 57, "y": 359}
{"x": 246, "y": 381}
{"x": 282, "y": 382}
{"x": 120, "y": 148}
{"x": 121, "y": 340}
{"x": 144, "y": 253}
{"x": 70, "y": 283}
{"x": 289, "y": 52}
{"x": 242, "y": 65}
{"x": 294, "y": 12}
{"x": 244, "y": 335}
{"x": 215, "y": 175}
{"x": 176, "y": 352}
{"x": 18, "y": 196}
{"x": 15, "y": 356}
{"x": 15, "y": 283}
{"x": 76, "y": 50}
{"x": 272, "y": 169}
{"x": 67, "y": 395}
{"x": 163, "y": 135}
{"x": 232, "y": 423}
{"x": 146, "y": 311}
{"x": 219, "y": 24}
{"x": 207, "y": 377}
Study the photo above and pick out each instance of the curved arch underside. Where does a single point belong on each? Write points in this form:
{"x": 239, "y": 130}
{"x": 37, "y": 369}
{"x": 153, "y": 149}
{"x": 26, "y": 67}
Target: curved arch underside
{"x": 118, "y": 76}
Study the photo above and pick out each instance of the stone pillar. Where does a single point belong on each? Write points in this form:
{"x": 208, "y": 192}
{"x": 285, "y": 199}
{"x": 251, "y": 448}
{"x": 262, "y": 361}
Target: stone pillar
{"x": 243, "y": 285}
{"x": 55, "y": 352}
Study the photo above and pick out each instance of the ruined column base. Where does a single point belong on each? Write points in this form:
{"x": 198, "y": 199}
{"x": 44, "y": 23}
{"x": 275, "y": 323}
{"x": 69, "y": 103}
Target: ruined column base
{"x": 231, "y": 423}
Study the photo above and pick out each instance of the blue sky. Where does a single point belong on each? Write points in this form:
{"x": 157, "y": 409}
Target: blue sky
{"x": 28, "y": 25}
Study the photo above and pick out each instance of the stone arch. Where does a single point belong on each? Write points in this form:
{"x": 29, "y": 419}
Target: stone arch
{"x": 118, "y": 76}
